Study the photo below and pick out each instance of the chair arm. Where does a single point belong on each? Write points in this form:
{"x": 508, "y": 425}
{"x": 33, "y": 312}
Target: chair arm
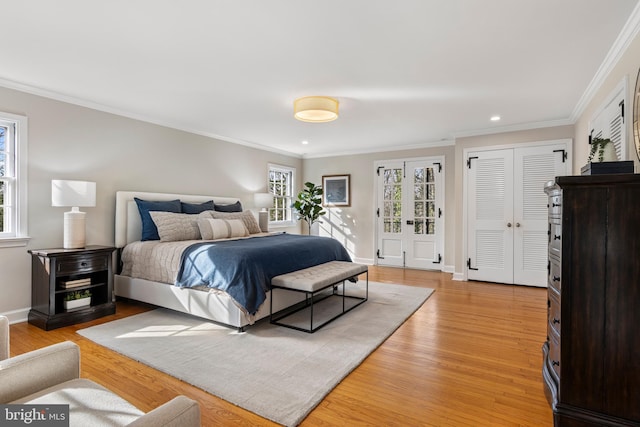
{"x": 178, "y": 412}
{"x": 4, "y": 338}
{"x": 36, "y": 370}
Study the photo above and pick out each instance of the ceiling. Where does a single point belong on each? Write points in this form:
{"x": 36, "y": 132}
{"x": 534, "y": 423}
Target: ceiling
{"x": 407, "y": 73}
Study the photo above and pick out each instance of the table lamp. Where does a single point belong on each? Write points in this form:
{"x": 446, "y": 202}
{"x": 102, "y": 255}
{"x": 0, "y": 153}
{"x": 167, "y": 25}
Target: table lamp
{"x": 74, "y": 194}
{"x": 263, "y": 201}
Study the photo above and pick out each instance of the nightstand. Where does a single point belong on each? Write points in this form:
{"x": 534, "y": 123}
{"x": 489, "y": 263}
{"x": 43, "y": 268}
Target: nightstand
{"x": 55, "y": 273}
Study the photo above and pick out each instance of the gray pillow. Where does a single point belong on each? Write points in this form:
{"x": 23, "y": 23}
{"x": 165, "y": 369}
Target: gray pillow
{"x": 173, "y": 227}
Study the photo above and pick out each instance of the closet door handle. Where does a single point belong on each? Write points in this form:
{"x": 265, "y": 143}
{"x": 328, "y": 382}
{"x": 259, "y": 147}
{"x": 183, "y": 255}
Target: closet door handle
{"x": 509, "y": 224}
{"x": 517, "y": 224}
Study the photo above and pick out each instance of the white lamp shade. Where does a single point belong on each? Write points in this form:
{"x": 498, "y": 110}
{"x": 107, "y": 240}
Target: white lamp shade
{"x": 73, "y": 193}
{"x": 263, "y": 200}
{"x": 315, "y": 109}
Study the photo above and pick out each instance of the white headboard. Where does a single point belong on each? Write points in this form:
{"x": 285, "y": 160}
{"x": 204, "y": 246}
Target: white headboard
{"x": 128, "y": 223}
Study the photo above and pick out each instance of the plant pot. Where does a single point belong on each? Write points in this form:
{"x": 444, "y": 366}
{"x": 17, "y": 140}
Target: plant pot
{"x": 609, "y": 154}
{"x": 77, "y": 303}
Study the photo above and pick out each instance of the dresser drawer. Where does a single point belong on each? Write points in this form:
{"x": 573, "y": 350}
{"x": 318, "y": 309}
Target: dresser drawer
{"x": 555, "y": 281}
{"x": 554, "y": 310}
{"x": 82, "y": 264}
{"x": 555, "y": 204}
{"x": 555, "y": 239}
{"x": 554, "y": 354}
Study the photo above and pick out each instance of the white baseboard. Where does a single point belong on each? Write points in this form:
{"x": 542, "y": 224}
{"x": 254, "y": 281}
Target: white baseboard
{"x": 365, "y": 261}
{"x": 17, "y": 316}
{"x": 458, "y": 277}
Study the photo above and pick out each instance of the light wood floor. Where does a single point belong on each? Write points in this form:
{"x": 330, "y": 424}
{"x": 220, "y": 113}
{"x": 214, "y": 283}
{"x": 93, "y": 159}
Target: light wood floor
{"x": 470, "y": 356}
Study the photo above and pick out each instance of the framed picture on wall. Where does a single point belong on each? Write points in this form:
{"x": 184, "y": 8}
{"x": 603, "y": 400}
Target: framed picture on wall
{"x": 336, "y": 190}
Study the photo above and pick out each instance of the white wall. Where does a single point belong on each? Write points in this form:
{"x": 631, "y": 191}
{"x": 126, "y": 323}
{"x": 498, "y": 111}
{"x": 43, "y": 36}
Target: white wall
{"x": 355, "y": 225}
{"x": 627, "y": 66}
{"x": 73, "y": 142}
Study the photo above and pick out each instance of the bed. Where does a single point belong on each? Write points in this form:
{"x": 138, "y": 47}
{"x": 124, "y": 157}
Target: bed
{"x": 167, "y": 287}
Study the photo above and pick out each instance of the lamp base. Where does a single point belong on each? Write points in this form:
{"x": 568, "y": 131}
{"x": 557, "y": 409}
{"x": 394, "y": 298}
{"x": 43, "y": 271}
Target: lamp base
{"x": 74, "y": 229}
{"x": 263, "y": 221}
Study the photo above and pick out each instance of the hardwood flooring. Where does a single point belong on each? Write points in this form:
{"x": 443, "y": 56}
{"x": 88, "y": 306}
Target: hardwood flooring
{"x": 470, "y": 356}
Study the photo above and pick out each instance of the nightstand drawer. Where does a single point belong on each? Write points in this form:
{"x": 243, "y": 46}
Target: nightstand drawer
{"x": 83, "y": 264}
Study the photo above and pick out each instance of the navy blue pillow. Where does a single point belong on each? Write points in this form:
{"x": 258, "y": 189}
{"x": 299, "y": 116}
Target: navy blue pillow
{"x": 149, "y": 229}
{"x": 196, "y": 208}
{"x": 235, "y": 207}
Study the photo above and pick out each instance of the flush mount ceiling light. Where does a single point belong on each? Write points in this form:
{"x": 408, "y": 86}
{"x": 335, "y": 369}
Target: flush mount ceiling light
{"x": 315, "y": 109}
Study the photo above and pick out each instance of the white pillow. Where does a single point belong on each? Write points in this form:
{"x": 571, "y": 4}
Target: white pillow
{"x": 173, "y": 227}
{"x": 213, "y": 229}
{"x": 247, "y": 217}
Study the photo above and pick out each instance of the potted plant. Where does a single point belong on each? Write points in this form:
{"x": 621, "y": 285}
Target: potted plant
{"x": 309, "y": 204}
{"x": 77, "y": 299}
{"x": 604, "y": 149}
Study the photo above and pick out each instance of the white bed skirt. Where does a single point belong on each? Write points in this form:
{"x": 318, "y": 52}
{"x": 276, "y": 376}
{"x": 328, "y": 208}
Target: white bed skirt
{"x": 216, "y": 306}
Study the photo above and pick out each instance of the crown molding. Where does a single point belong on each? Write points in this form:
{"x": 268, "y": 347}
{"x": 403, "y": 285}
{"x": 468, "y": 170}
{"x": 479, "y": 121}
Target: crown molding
{"x": 433, "y": 144}
{"x": 34, "y": 90}
{"x": 624, "y": 39}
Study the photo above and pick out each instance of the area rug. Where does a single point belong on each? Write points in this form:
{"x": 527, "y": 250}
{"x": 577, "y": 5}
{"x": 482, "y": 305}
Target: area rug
{"x": 278, "y": 373}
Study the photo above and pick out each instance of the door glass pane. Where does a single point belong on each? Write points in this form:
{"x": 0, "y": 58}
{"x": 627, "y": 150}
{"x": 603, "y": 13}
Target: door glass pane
{"x": 418, "y": 226}
{"x": 419, "y": 209}
{"x": 431, "y": 226}
{"x": 430, "y": 175}
{"x": 418, "y": 175}
{"x": 431, "y": 191}
{"x": 392, "y": 203}
{"x": 397, "y": 209}
{"x": 418, "y": 192}
{"x": 431, "y": 209}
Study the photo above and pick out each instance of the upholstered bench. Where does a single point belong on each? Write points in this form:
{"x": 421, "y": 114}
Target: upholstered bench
{"x": 313, "y": 281}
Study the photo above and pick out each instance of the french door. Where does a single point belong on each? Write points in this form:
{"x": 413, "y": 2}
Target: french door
{"x": 507, "y": 212}
{"x": 410, "y": 221}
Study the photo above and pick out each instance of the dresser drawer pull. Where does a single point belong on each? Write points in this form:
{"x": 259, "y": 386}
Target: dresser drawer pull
{"x": 556, "y": 237}
{"x": 83, "y": 264}
{"x": 555, "y": 320}
{"x": 555, "y": 363}
{"x": 556, "y": 278}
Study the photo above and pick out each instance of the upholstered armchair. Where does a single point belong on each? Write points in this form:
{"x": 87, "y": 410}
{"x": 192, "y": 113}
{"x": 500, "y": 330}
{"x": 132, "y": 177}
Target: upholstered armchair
{"x": 51, "y": 375}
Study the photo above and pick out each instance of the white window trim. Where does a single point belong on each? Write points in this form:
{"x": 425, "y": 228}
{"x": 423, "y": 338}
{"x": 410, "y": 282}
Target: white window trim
{"x": 21, "y": 237}
{"x": 293, "y": 221}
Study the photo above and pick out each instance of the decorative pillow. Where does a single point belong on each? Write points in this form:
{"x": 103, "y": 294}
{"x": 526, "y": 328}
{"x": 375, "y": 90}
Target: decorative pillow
{"x": 246, "y": 217}
{"x": 196, "y": 208}
{"x": 235, "y": 207}
{"x": 176, "y": 226}
{"x": 213, "y": 229}
{"x": 149, "y": 229}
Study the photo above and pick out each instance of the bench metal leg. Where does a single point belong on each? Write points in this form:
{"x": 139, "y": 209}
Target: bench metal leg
{"x": 310, "y": 302}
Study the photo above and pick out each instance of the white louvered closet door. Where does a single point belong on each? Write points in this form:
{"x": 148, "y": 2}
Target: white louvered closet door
{"x": 490, "y": 186}
{"x": 535, "y": 166}
{"x": 507, "y": 212}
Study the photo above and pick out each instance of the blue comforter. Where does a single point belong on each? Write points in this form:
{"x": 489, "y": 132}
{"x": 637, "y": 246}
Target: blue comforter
{"x": 244, "y": 268}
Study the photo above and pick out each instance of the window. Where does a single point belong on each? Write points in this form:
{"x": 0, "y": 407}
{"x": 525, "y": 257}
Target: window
{"x": 281, "y": 185}
{"x": 608, "y": 121}
{"x": 13, "y": 173}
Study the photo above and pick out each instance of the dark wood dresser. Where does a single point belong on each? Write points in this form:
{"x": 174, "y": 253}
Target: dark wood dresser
{"x": 591, "y": 365}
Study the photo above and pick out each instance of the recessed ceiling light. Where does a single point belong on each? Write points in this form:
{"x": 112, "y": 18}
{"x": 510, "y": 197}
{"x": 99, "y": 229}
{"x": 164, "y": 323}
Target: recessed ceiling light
{"x": 495, "y": 118}
{"x": 305, "y": 142}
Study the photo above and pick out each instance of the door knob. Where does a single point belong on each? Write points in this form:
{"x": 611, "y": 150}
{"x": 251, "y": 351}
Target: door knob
{"x": 517, "y": 224}
{"x": 509, "y": 224}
